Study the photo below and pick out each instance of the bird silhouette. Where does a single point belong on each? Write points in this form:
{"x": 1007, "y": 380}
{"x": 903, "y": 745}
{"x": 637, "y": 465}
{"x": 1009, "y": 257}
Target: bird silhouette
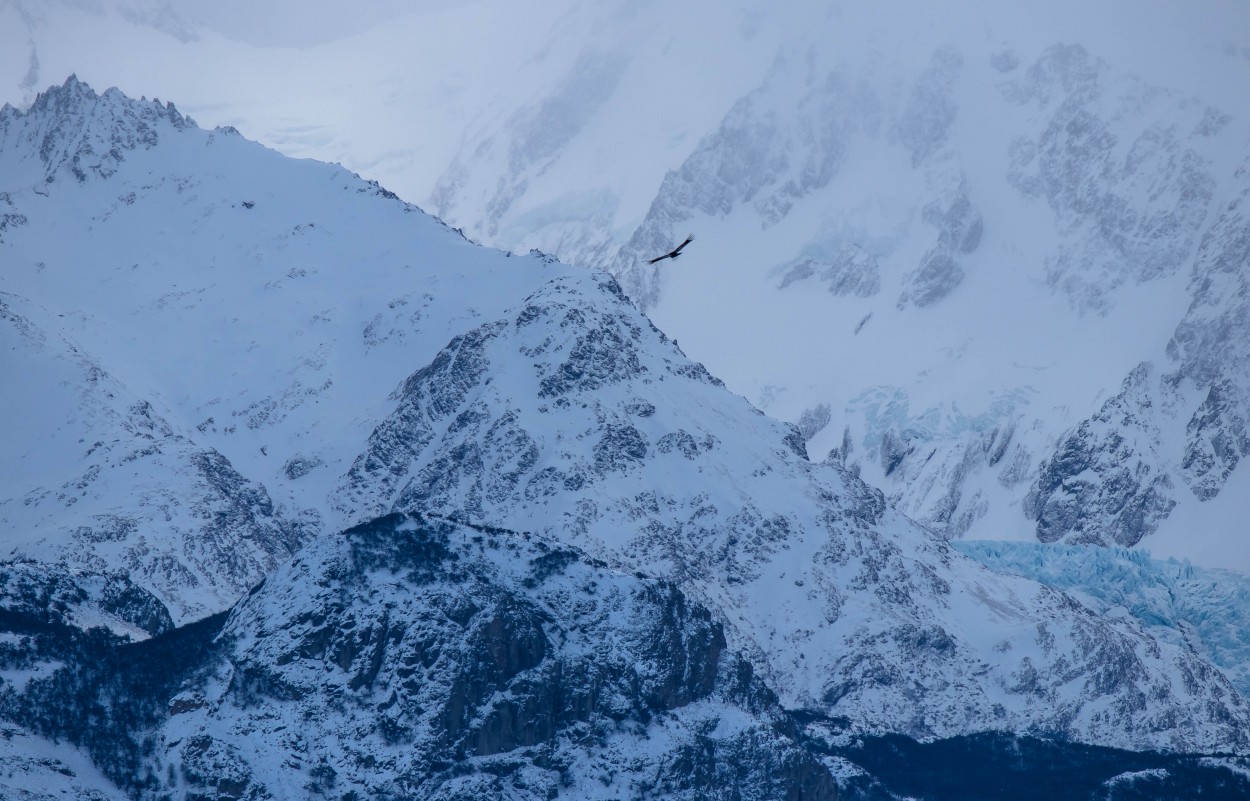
{"x": 675, "y": 252}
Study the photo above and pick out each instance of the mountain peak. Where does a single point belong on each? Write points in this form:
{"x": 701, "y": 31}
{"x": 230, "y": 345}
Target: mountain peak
{"x": 70, "y": 128}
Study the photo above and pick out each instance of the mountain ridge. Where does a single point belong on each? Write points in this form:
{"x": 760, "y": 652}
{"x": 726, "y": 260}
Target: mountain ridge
{"x": 293, "y": 351}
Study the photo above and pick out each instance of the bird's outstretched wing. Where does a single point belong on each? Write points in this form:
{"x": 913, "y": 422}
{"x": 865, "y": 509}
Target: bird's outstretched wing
{"x": 677, "y": 249}
{"x": 675, "y": 252}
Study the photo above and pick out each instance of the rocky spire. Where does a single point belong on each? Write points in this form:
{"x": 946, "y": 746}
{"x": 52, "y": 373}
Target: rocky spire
{"x": 70, "y": 130}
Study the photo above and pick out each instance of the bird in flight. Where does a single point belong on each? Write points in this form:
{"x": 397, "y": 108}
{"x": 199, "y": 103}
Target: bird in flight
{"x": 675, "y": 252}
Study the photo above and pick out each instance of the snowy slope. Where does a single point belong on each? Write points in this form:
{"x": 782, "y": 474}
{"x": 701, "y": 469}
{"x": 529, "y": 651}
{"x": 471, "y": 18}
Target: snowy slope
{"x": 189, "y": 313}
{"x": 274, "y": 311}
{"x": 36, "y": 769}
{"x": 94, "y": 477}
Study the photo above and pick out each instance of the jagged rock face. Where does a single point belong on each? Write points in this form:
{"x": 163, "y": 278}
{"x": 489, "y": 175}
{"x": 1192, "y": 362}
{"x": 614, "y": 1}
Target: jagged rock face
{"x": 419, "y": 658}
{"x": 1218, "y": 437}
{"x": 851, "y": 272}
{"x": 1134, "y": 201}
{"x": 562, "y": 418}
{"x": 1143, "y": 202}
{"x": 1210, "y": 350}
{"x": 1118, "y": 475}
{"x": 911, "y": 202}
{"x": 94, "y": 147}
{"x": 780, "y": 148}
{"x": 785, "y": 148}
{"x": 1104, "y": 485}
{"x": 10, "y": 217}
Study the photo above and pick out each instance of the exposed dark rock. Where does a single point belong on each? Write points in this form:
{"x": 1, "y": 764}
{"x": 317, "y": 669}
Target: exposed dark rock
{"x": 813, "y": 421}
{"x": 56, "y": 595}
{"x": 88, "y": 134}
{"x": 1217, "y": 437}
{"x": 852, "y": 272}
{"x": 939, "y": 274}
{"x": 1104, "y": 483}
{"x": 532, "y": 690}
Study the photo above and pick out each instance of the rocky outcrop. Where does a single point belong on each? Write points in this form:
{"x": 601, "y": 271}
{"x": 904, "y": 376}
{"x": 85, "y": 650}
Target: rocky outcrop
{"x": 1113, "y": 479}
{"x": 1210, "y": 349}
{"x": 55, "y": 595}
{"x": 1106, "y": 483}
{"x": 428, "y": 659}
{"x": 526, "y": 422}
{"x": 1140, "y": 202}
{"x": 85, "y": 135}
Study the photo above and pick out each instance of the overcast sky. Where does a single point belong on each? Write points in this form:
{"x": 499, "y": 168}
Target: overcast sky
{"x": 298, "y": 23}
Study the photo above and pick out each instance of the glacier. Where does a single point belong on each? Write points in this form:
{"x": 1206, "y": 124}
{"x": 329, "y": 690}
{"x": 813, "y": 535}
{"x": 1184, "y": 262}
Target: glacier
{"x": 1203, "y": 609}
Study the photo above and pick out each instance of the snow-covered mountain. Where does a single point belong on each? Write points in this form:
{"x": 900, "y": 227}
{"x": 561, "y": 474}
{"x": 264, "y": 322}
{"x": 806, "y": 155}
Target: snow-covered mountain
{"x": 413, "y": 656}
{"x": 271, "y": 350}
{"x": 979, "y": 191}
{"x": 187, "y": 312}
{"x": 573, "y": 417}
